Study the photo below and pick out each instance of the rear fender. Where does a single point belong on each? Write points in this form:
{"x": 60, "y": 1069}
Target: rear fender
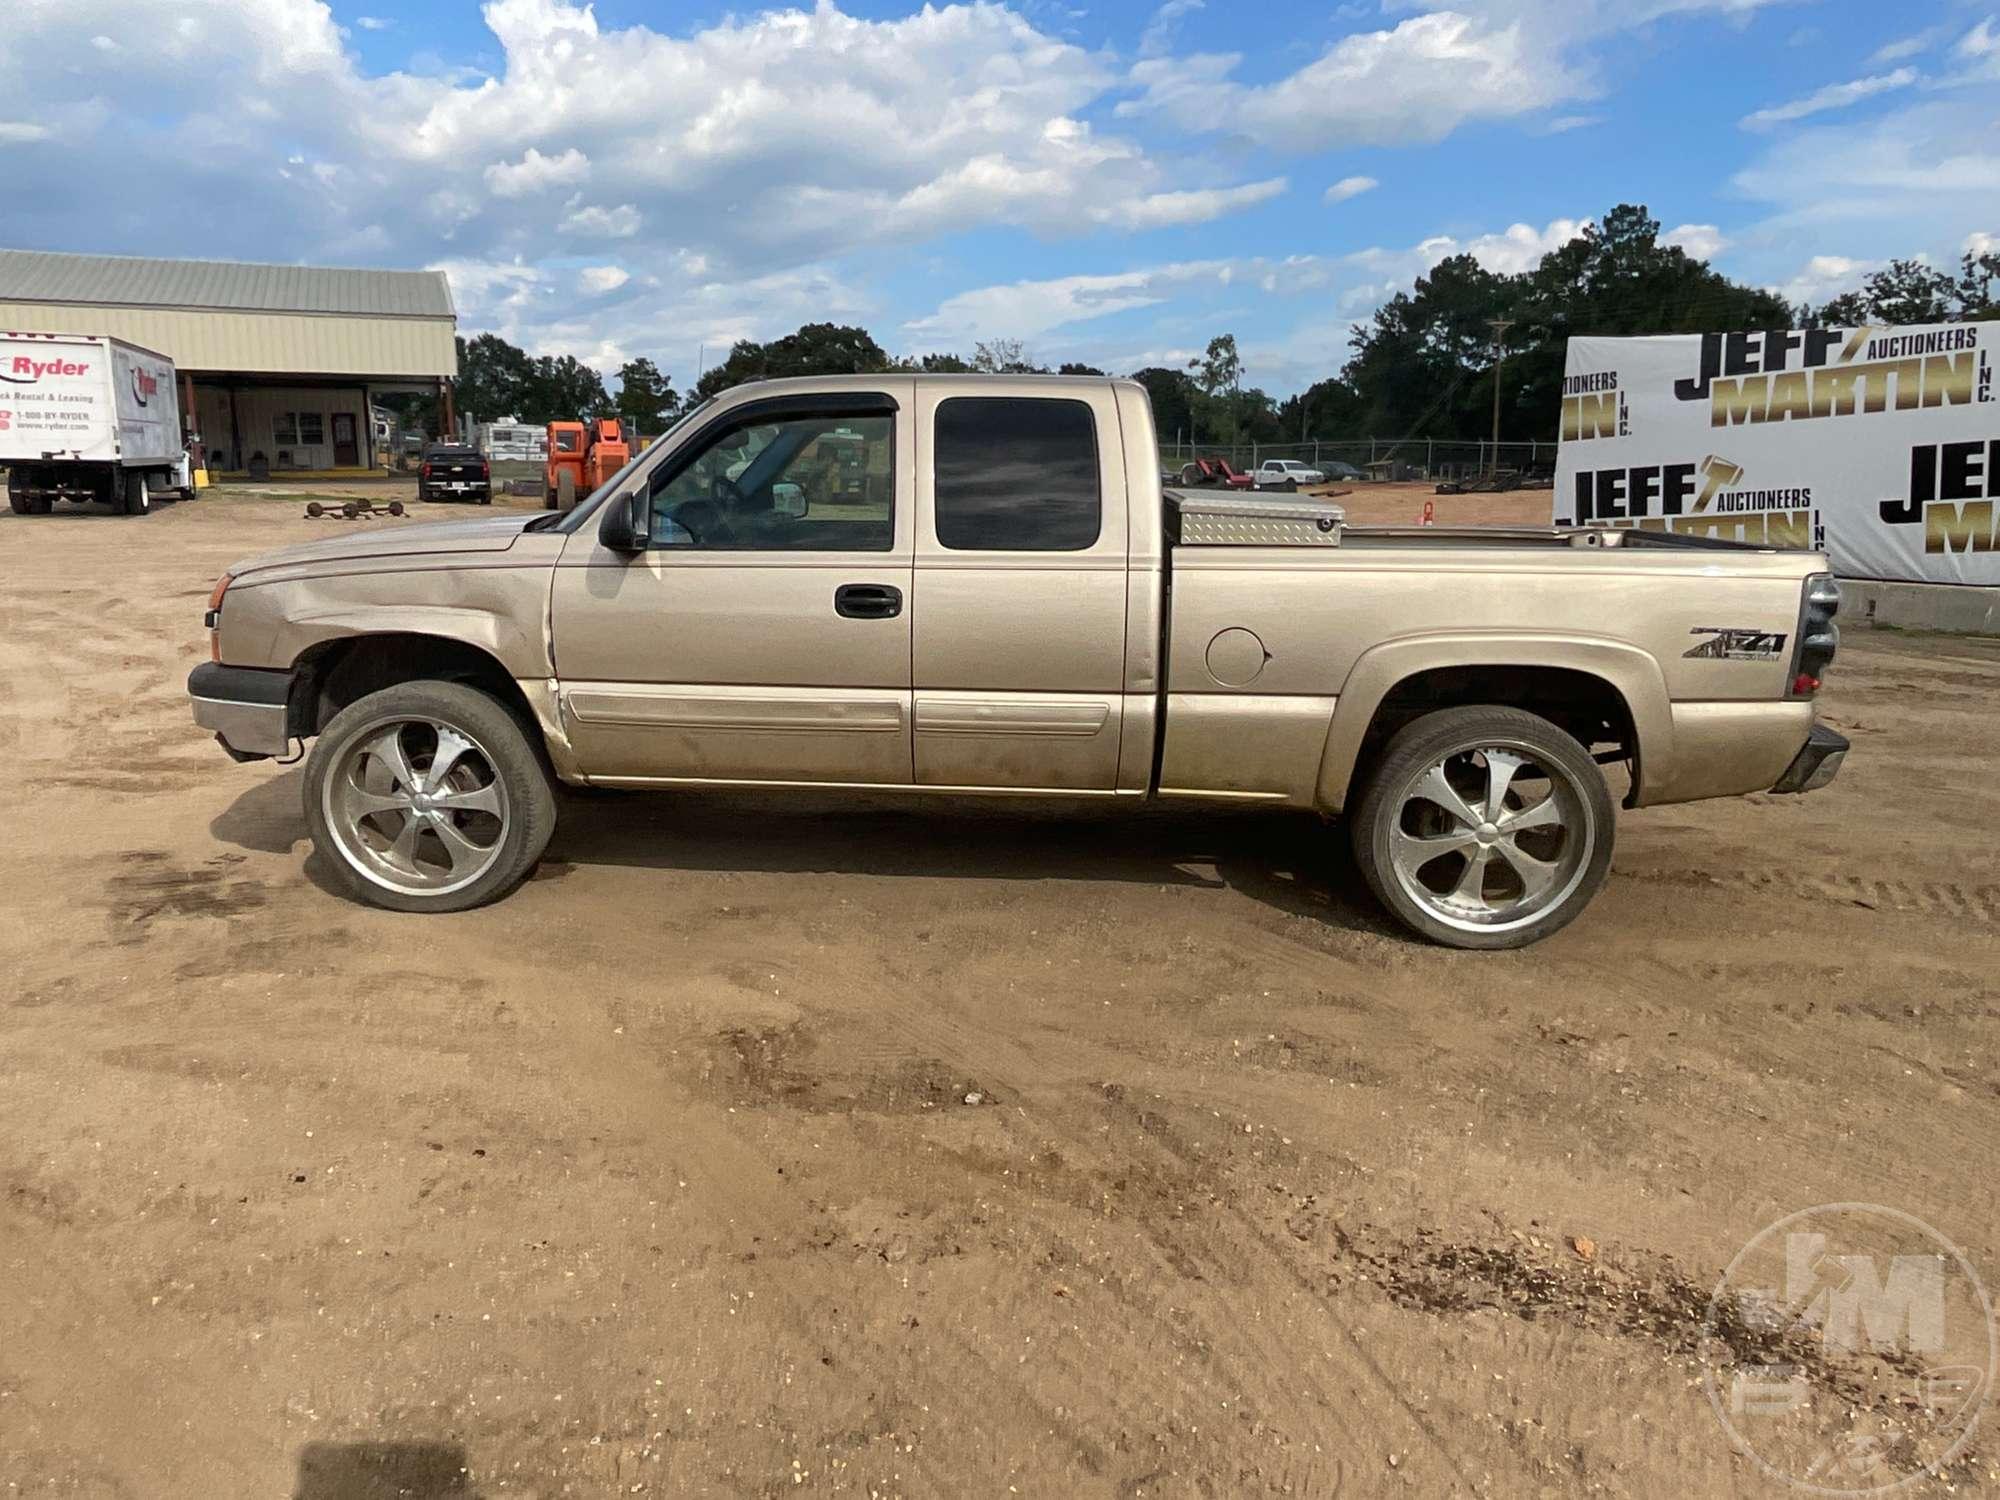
{"x": 1632, "y": 673}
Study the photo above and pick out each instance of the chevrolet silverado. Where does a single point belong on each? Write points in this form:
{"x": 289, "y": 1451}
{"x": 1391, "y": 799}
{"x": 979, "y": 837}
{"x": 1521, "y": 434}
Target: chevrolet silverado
{"x": 976, "y": 585}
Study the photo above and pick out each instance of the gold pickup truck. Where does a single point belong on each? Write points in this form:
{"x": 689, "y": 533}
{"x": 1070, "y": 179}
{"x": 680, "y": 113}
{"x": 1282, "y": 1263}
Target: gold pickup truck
{"x": 976, "y": 585}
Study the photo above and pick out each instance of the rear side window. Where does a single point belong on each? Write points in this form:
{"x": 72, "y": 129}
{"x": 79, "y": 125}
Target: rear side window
{"x": 1016, "y": 474}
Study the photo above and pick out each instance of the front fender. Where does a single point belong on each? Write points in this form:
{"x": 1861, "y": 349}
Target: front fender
{"x": 501, "y": 611}
{"x": 1632, "y": 673}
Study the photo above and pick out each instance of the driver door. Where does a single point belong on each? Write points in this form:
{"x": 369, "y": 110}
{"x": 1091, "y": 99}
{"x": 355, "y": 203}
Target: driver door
{"x": 764, "y": 636}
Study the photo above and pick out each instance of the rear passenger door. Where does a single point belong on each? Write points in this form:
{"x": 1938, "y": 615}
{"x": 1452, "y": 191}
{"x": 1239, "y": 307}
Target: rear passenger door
{"x": 1018, "y": 650}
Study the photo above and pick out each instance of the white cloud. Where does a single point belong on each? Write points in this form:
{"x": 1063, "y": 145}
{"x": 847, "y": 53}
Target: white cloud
{"x": 1833, "y": 96}
{"x": 1029, "y": 309}
{"x": 1164, "y": 29}
{"x": 1924, "y": 176}
{"x": 1383, "y": 271}
{"x": 1350, "y": 187}
{"x": 599, "y": 222}
{"x": 1914, "y": 45}
{"x": 373, "y": 23}
{"x": 1823, "y": 277}
{"x": 535, "y": 173}
{"x": 597, "y": 280}
{"x": 19, "y": 132}
{"x": 1702, "y": 241}
{"x": 1191, "y": 206}
{"x": 1563, "y": 124}
{"x": 1982, "y": 41}
{"x": 1980, "y": 243}
{"x": 1416, "y": 82}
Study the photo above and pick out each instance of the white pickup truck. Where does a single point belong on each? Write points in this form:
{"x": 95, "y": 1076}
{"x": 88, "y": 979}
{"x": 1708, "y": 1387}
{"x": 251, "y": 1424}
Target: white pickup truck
{"x": 89, "y": 419}
{"x": 974, "y": 585}
{"x": 1285, "y": 474}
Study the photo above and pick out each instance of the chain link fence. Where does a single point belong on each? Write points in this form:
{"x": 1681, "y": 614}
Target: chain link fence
{"x": 1378, "y": 458}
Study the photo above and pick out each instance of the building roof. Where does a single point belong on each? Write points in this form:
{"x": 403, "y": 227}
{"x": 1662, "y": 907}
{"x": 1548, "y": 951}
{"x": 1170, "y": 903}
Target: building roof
{"x": 136, "y": 281}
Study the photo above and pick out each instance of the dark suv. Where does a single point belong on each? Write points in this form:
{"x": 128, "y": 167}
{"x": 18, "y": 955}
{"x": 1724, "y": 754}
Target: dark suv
{"x": 453, "y": 472}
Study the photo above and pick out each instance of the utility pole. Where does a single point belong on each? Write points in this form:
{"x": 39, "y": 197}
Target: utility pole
{"x": 1499, "y": 327}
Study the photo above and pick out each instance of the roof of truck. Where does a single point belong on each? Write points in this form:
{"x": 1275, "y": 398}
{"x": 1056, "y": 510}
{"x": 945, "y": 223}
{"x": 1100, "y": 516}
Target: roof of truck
{"x": 777, "y": 384}
{"x": 140, "y": 281}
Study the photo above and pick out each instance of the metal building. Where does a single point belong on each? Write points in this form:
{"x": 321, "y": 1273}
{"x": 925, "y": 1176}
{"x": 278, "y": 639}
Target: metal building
{"x": 279, "y": 364}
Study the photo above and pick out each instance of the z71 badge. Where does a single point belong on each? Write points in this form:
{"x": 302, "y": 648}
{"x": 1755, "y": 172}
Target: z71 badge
{"x": 1732, "y": 644}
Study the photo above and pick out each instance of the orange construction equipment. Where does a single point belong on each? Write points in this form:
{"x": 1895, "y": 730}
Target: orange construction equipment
{"x": 582, "y": 455}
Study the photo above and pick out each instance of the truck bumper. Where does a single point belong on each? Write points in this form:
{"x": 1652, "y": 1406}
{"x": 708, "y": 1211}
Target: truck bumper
{"x": 247, "y": 708}
{"x": 1817, "y": 762}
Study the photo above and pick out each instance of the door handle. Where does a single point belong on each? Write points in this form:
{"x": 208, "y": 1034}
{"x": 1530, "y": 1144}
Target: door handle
{"x": 867, "y": 601}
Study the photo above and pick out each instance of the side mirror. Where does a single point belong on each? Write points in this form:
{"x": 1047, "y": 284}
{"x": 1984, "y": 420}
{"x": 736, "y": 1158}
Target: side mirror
{"x": 628, "y": 522}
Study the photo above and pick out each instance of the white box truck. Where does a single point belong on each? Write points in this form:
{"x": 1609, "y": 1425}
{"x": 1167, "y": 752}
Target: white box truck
{"x": 89, "y": 419}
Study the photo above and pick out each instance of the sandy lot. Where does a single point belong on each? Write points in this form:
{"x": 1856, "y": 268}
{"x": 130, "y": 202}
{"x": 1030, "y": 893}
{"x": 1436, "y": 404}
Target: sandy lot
{"x": 661, "y": 1177}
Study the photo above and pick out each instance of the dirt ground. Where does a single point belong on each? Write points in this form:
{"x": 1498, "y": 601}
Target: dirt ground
{"x": 774, "y": 1147}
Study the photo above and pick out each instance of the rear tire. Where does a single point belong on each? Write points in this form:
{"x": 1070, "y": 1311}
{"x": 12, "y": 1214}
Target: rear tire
{"x": 1452, "y": 838}
{"x": 19, "y": 500}
{"x": 565, "y": 492}
{"x": 379, "y": 752}
{"x": 138, "y": 495}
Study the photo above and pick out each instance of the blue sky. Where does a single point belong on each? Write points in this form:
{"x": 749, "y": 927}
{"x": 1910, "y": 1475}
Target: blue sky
{"x": 1108, "y": 182}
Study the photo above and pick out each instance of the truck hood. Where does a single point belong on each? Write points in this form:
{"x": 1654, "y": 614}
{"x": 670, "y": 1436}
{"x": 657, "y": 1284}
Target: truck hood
{"x": 359, "y": 540}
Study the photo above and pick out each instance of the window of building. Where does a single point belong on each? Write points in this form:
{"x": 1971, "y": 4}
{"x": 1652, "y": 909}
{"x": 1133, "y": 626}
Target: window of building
{"x": 1017, "y": 474}
{"x": 300, "y": 428}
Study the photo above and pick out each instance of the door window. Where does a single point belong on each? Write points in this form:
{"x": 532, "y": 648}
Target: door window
{"x": 800, "y": 484}
{"x": 1017, "y": 474}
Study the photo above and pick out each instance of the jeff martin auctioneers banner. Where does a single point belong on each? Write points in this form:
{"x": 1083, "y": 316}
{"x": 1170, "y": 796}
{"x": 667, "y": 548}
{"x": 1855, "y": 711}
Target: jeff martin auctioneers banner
{"x": 1880, "y": 446}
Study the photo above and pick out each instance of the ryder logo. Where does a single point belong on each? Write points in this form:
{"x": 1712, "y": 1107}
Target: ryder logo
{"x": 22, "y": 370}
{"x": 145, "y": 386}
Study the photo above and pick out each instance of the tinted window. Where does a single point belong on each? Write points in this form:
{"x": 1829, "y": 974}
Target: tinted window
{"x": 801, "y": 484}
{"x": 1016, "y": 475}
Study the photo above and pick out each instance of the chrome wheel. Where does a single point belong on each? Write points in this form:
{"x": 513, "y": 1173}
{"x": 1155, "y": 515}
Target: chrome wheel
{"x": 1489, "y": 835}
{"x": 417, "y": 805}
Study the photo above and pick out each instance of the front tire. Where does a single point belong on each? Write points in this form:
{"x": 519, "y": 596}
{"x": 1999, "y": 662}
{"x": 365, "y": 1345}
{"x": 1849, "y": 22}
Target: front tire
{"x": 428, "y": 797}
{"x": 1484, "y": 827}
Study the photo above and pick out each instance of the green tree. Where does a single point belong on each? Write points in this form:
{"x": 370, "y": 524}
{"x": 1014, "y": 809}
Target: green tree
{"x": 1218, "y": 376}
{"x": 1004, "y": 357}
{"x": 494, "y": 378}
{"x": 1079, "y": 370}
{"x": 815, "y": 349}
{"x": 939, "y": 364}
{"x": 1325, "y": 409}
{"x": 646, "y": 398}
{"x": 564, "y": 388}
{"x": 1424, "y": 365}
{"x": 1173, "y": 395}
{"x": 1913, "y": 291}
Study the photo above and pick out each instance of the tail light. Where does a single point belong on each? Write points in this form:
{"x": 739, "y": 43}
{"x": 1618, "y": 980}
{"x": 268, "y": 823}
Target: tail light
{"x": 213, "y": 619}
{"x": 1819, "y": 637}
{"x": 424, "y": 472}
